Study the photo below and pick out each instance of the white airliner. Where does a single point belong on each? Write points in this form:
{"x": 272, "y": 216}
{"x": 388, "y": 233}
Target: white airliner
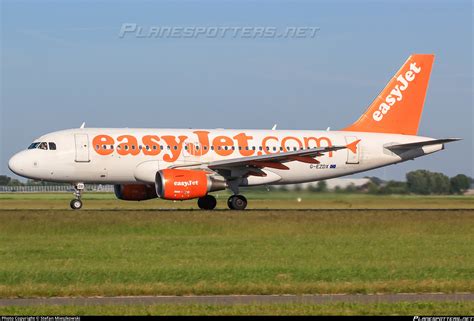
{"x": 181, "y": 164}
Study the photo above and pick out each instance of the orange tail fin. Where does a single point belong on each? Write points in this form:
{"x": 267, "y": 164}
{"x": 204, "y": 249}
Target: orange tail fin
{"x": 398, "y": 108}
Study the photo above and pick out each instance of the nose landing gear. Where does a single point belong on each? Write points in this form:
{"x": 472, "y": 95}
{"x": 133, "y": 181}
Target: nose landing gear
{"x": 76, "y": 204}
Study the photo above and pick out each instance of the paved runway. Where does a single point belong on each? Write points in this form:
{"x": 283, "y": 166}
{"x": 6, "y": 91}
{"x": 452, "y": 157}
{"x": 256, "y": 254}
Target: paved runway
{"x": 320, "y": 209}
{"x": 243, "y": 299}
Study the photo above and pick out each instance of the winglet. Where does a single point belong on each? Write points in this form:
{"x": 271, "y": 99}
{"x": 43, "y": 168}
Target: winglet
{"x": 353, "y": 146}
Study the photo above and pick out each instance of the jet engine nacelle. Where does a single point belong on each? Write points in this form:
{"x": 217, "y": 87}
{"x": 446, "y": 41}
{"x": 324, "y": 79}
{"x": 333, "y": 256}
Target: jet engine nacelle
{"x": 135, "y": 192}
{"x": 183, "y": 184}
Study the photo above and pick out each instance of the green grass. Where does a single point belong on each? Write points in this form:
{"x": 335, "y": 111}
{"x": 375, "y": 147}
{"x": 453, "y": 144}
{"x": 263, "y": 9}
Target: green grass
{"x": 426, "y": 308}
{"x": 87, "y": 253}
{"x": 257, "y": 200}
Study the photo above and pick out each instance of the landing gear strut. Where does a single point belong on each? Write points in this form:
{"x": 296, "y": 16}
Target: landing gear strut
{"x": 237, "y": 202}
{"x": 207, "y": 202}
{"x": 76, "y": 203}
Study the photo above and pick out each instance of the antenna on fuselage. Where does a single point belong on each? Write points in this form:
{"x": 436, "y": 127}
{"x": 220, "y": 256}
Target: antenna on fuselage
{"x": 274, "y": 127}
{"x": 83, "y": 125}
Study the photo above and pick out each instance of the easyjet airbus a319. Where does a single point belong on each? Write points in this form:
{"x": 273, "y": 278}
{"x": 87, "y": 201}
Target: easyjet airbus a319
{"x": 182, "y": 164}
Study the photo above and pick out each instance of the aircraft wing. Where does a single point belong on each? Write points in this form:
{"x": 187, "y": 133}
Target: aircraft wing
{"x": 276, "y": 160}
{"x": 421, "y": 144}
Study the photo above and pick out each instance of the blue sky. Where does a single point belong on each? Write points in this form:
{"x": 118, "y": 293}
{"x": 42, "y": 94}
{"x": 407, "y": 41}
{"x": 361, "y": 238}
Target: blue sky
{"x": 63, "y": 63}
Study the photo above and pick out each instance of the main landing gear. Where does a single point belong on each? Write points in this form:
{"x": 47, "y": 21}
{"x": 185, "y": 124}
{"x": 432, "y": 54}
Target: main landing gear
{"x": 235, "y": 202}
{"x": 207, "y": 202}
{"x": 76, "y": 203}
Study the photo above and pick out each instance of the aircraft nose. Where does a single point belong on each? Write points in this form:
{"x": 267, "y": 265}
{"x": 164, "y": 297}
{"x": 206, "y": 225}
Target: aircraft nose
{"x": 17, "y": 163}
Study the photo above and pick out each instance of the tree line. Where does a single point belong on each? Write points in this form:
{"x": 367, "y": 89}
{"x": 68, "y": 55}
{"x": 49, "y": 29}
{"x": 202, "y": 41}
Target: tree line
{"x": 8, "y": 181}
{"x": 421, "y": 182}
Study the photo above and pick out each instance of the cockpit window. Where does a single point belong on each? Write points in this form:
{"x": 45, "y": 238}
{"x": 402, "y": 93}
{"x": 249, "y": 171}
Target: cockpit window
{"x": 33, "y": 145}
{"x": 43, "y": 145}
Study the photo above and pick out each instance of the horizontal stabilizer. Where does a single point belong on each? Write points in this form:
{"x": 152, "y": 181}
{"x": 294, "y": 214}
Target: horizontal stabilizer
{"x": 423, "y": 143}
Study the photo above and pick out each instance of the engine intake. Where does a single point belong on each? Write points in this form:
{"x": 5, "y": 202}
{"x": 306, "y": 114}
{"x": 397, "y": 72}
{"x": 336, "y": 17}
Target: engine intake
{"x": 135, "y": 192}
{"x": 183, "y": 184}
